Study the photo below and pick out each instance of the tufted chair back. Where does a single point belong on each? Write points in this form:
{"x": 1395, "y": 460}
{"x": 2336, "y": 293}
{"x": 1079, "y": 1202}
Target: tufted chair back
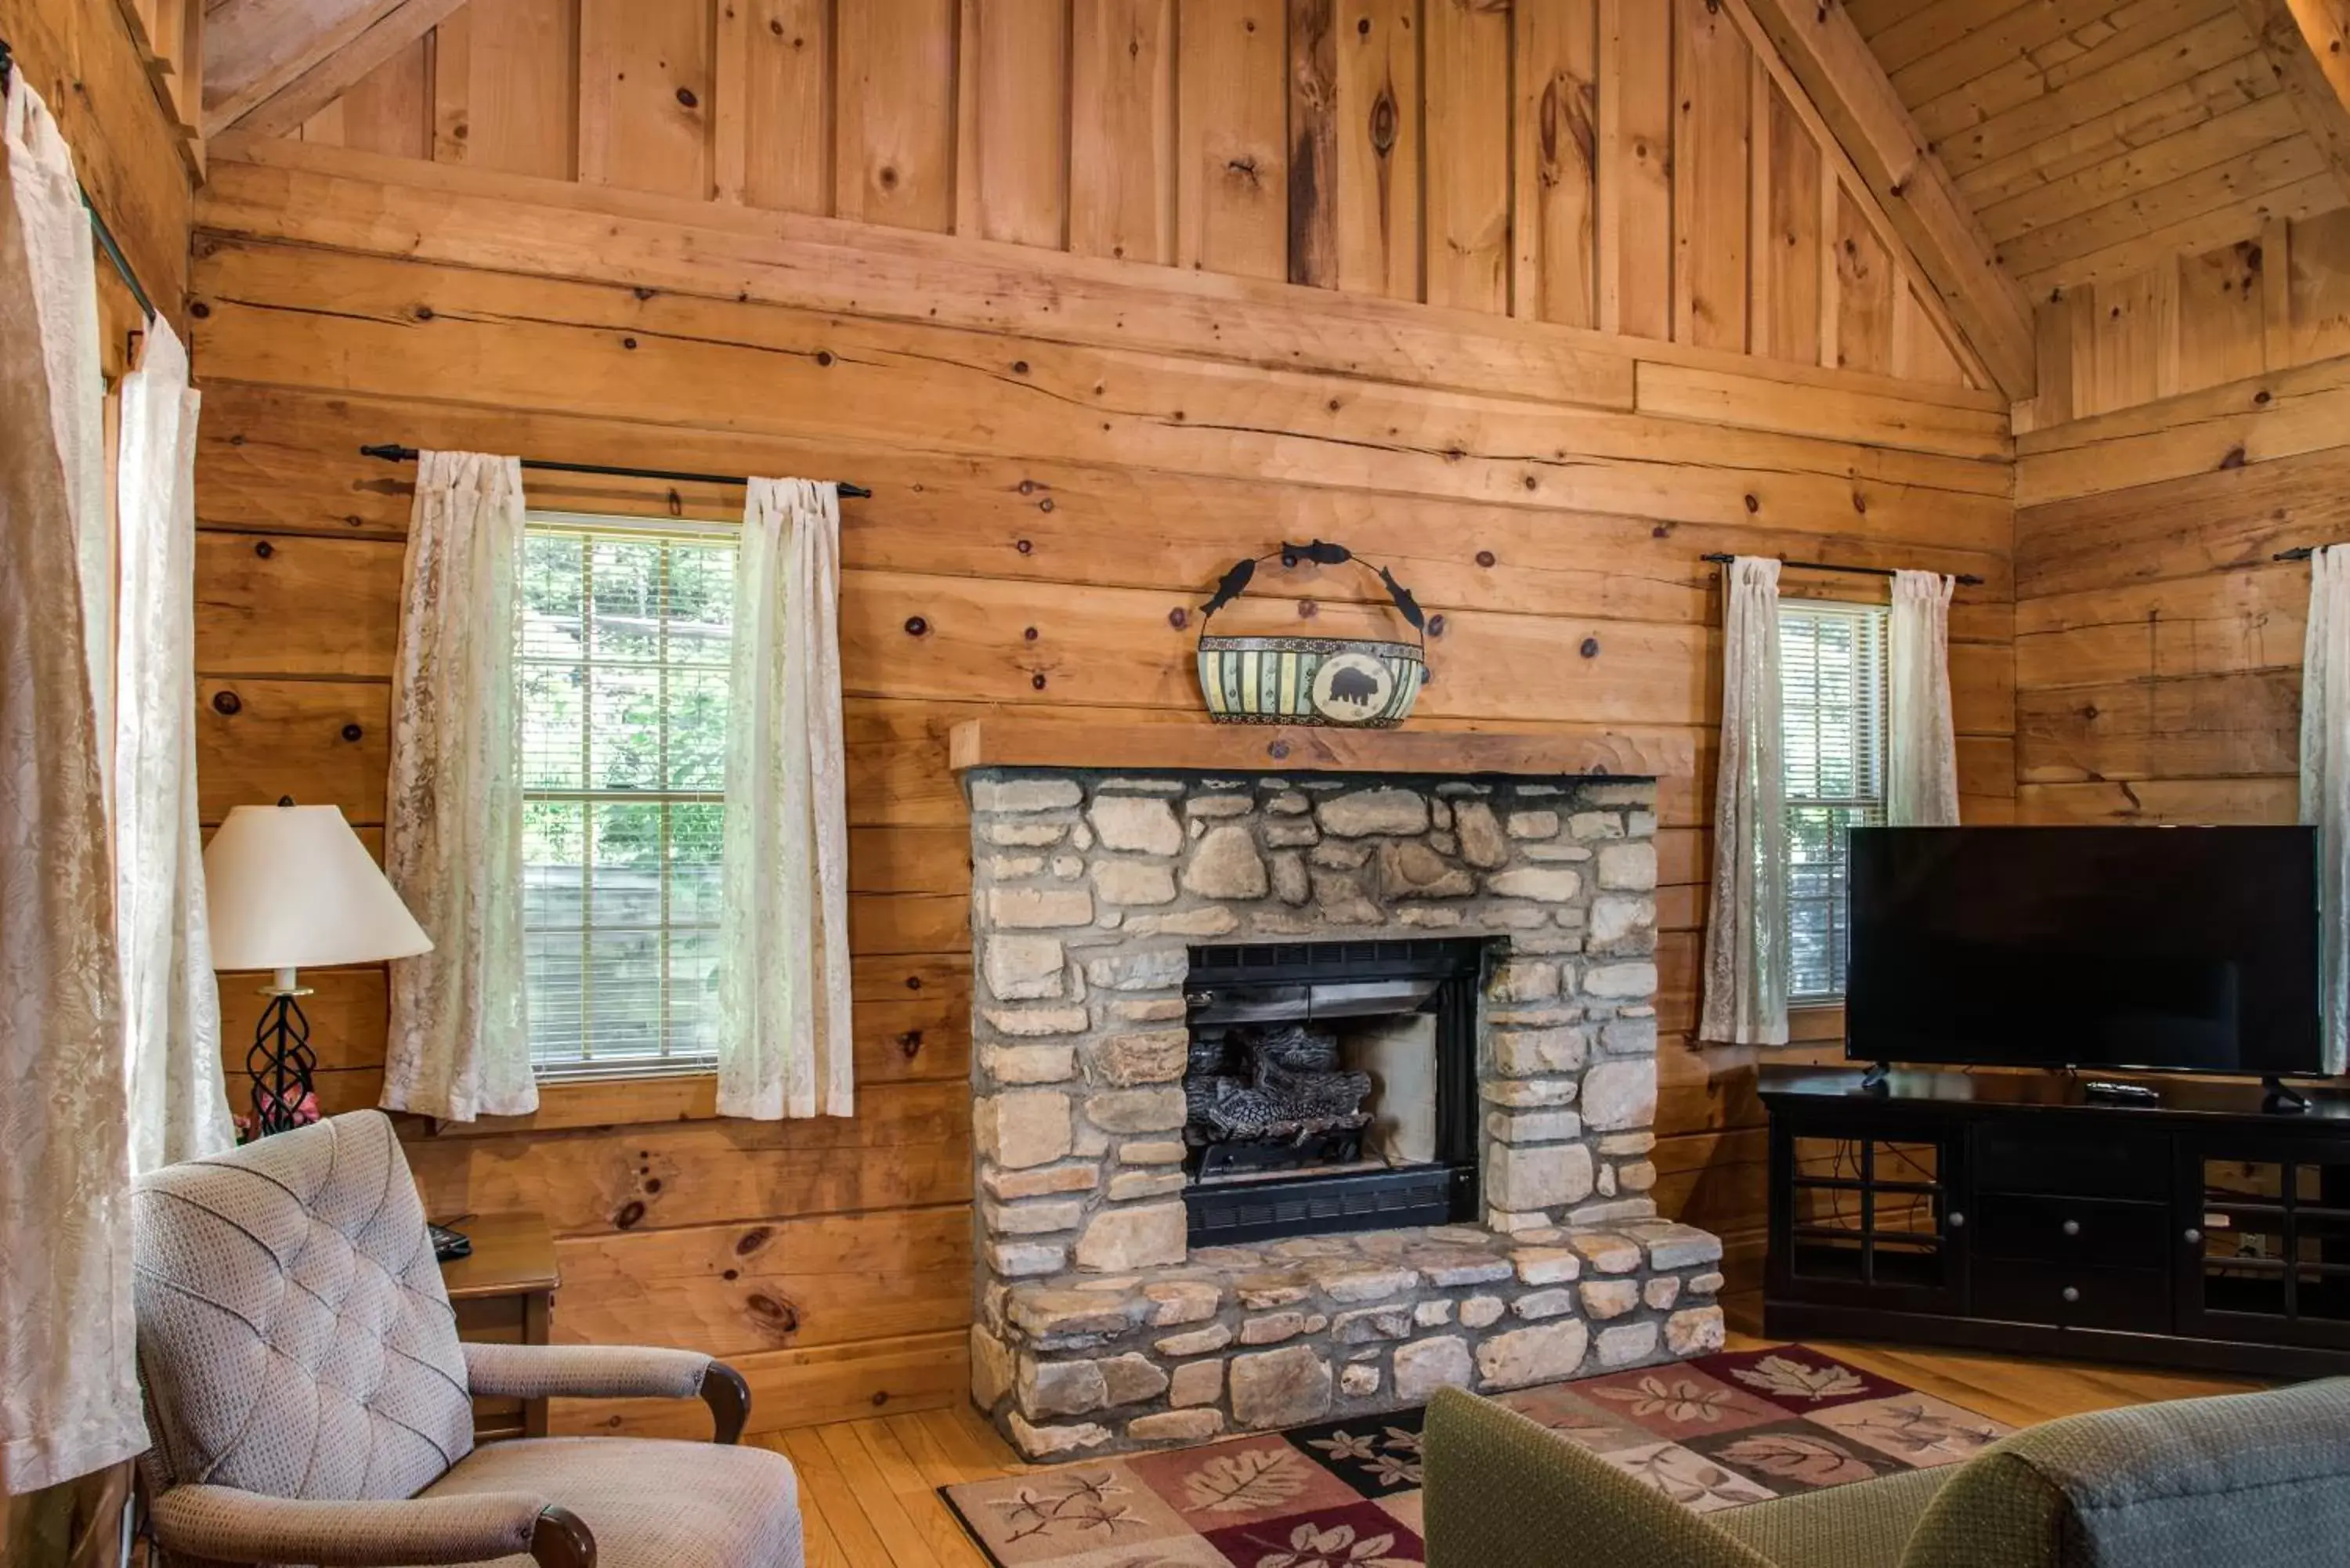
{"x": 294, "y": 1335}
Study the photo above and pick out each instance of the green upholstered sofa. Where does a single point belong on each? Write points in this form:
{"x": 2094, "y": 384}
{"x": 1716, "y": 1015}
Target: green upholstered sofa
{"x": 2241, "y": 1480}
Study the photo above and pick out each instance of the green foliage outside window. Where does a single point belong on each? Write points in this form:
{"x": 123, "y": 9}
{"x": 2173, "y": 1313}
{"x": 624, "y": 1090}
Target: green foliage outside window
{"x": 626, "y": 641}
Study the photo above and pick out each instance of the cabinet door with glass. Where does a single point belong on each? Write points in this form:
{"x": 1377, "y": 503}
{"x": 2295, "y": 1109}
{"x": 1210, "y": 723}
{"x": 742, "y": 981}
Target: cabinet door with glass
{"x": 2264, "y": 1253}
{"x": 1864, "y": 1214}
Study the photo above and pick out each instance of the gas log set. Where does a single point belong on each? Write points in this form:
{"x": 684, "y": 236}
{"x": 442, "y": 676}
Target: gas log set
{"x": 1271, "y": 1097}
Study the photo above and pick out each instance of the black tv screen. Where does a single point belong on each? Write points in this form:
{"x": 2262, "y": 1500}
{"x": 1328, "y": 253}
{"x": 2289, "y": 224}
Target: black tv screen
{"x": 2180, "y": 949}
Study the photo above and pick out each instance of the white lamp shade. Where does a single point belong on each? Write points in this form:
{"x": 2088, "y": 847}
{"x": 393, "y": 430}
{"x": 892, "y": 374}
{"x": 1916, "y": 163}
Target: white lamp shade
{"x": 291, "y": 887}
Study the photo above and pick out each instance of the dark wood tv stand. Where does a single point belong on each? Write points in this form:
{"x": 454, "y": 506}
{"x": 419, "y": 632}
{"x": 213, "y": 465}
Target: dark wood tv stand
{"x": 2007, "y": 1211}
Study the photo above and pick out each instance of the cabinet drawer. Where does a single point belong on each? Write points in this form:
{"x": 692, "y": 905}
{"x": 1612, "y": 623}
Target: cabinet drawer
{"x": 2096, "y": 1232}
{"x": 2137, "y": 1300}
{"x": 2039, "y": 1159}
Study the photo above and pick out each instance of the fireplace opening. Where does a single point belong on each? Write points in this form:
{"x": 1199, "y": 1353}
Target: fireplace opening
{"x": 1330, "y": 1086}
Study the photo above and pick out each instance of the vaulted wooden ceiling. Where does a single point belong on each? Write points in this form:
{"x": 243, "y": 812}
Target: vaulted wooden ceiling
{"x": 2019, "y": 148}
{"x": 2095, "y": 138}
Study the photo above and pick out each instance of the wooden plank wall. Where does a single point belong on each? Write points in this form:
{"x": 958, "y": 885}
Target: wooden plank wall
{"x": 2198, "y": 320}
{"x": 92, "y": 68}
{"x": 2158, "y": 647}
{"x": 1632, "y": 165}
{"x": 1064, "y": 448}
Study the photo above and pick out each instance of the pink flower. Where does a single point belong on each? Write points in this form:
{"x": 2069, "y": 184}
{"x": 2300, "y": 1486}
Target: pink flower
{"x": 299, "y": 1113}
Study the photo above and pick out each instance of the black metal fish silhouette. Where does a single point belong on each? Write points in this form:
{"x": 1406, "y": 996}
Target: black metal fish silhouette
{"x": 1320, "y": 553}
{"x": 1231, "y": 587}
{"x": 1403, "y": 601}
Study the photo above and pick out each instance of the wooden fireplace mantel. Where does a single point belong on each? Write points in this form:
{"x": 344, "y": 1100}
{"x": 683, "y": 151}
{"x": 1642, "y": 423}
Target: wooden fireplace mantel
{"x": 1212, "y": 748}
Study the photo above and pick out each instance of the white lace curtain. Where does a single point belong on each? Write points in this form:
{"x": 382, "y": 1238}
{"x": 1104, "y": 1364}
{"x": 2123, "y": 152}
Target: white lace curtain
{"x": 459, "y": 1041}
{"x": 2326, "y": 784}
{"x": 178, "y": 1104}
{"x": 69, "y": 1383}
{"x": 1746, "y": 969}
{"x": 1922, "y": 786}
{"x": 783, "y": 1042}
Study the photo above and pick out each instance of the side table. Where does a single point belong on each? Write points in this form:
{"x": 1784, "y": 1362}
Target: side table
{"x": 504, "y": 1294}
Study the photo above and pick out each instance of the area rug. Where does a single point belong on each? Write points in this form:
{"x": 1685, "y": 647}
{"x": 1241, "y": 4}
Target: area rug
{"x": 1712, "y": 1433}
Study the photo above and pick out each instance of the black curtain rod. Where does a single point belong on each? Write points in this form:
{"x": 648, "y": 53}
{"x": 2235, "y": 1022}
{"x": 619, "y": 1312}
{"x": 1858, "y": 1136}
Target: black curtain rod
{"x": 1724, "y": 557}
{"x": 391, "y": 451}
{"x": 105, "y": 235}
{"x": 2299, "y": 553}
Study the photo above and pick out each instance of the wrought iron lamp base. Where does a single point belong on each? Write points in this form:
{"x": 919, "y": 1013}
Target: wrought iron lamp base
{"x": 280, "y": 1064}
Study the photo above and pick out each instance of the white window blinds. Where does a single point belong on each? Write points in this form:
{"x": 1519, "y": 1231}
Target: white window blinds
{"x": 626, "y": 639}
{"x": 1832, "y": 681}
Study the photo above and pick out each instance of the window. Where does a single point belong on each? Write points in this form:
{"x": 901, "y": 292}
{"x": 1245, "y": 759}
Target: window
{"x": 1831, "y": 692}
{"x": 626, "y": 637}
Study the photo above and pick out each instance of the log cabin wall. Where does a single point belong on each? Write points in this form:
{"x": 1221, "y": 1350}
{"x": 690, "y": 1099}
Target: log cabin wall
{"x": 2192, "y": 321}
{"x": 1588, "y": 163}
{"x": 2158, "y": 647}
{"x": 2182, "y": 225}
{"x": 110, "y": 74}
{"x": 1066, "y": 448}
{"x": 116, "y": 75}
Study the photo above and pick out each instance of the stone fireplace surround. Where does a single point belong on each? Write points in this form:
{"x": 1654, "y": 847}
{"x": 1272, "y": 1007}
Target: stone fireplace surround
{"x": 1097, "y": 1328}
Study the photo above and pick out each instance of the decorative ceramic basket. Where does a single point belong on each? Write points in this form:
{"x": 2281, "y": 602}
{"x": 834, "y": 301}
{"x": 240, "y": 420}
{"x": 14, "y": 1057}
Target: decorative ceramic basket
{"x": 1352, "y": 682}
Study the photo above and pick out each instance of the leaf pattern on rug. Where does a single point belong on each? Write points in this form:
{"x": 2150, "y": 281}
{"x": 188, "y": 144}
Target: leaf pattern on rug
{"x": 1914, "y": 1429}
{"x": 1242, "y": 1482}
{"x": 1398, "y": 1467}
{"x": 1082, "y": 1504}
{"x": 1589, "y": 1430}
{"x": 1689, "y": 1479}
{"x": 1348, "y": 1446}
{"x": 1786, "y": 1378}
{"x": 1346, "y": 1493}
{"x": 1815, "y": 1461}
{"x": 1681, "y": 1400}
{"x": 1312, "y": 1546}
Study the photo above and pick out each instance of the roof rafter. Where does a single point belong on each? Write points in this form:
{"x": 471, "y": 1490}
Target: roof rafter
{"x": 252, "y": 47}
{"x": 1827, "y": 55}
{"x": 2308, "y": 46}
{"x": 398, "y": 27}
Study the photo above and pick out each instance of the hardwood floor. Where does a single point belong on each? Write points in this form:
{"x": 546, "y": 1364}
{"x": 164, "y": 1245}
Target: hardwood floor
{"x": 866, "y": 1487}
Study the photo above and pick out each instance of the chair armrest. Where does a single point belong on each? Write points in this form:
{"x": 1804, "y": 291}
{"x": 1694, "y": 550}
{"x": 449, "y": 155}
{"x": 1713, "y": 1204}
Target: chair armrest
{"x": 223, "y": 1524}
{"x": 1503, "y": 1491}
{"x": 610, "y": 1372}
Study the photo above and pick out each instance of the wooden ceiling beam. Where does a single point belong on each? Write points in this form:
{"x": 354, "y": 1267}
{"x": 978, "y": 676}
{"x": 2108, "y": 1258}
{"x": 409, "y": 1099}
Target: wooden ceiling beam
{"x": 1827, "y": 55}
{"x": 254, "y": 47}
{"x": 2308, "y": 46}
{"x": 397, "y": 28}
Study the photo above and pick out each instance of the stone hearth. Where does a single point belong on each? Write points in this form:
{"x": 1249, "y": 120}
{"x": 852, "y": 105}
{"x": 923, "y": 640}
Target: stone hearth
{"x": 1098, "y": 1326}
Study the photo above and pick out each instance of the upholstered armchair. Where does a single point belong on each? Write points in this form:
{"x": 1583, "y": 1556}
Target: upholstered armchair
{"x": 2230, "y": 1481}
{"x": 309, "y": 1401}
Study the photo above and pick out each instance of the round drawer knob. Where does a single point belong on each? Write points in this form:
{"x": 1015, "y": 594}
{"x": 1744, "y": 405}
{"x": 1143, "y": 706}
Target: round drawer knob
{"x": 2071, "y": 1227}
{"x": 2194, "y": 1237}
{"x": 1958, "y": 1221}
{"x": 2072, "y": 1293}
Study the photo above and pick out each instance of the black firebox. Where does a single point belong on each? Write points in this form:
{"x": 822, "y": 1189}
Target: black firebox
{"x": 1331, "y": 1086}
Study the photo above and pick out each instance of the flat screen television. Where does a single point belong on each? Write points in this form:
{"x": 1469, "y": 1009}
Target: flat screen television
{"x": 2173, "y": 949}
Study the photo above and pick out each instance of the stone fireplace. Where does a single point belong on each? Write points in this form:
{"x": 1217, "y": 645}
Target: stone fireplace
{"x": 1307, "y": 1079}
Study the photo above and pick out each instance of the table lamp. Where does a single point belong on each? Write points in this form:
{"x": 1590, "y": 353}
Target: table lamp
{"x": 291, "y": 887}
